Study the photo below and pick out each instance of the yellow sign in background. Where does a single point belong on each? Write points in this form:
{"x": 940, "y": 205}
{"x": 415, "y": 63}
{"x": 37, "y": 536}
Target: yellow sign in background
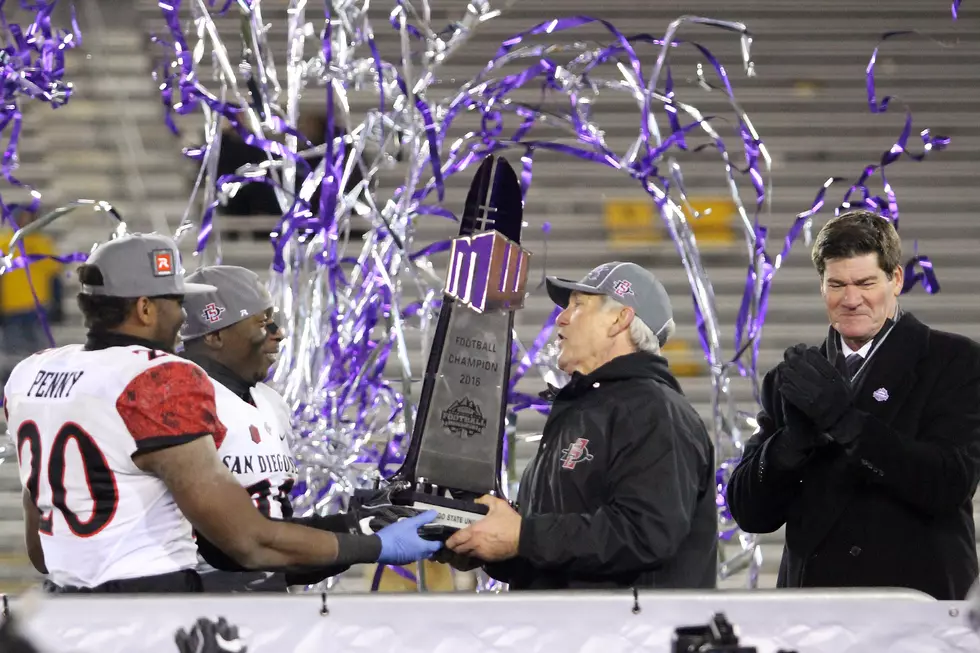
{"x": 633, "y": 222}
{"x": 438, "y": 578}
{"x": 630, "y": 222}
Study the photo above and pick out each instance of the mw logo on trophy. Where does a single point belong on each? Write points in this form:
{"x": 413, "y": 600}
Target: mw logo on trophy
{"x": 456, "y": 448}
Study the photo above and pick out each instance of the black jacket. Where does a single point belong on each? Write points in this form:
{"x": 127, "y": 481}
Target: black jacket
{"x": 897, "y": 511}
{"x": 621, "y": 491}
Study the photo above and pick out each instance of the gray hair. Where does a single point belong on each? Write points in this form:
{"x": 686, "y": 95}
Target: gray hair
{"x": 642, "y": 336}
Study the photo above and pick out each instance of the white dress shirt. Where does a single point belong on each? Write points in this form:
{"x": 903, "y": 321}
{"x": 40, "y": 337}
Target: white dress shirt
{"x": 862, "y": 352}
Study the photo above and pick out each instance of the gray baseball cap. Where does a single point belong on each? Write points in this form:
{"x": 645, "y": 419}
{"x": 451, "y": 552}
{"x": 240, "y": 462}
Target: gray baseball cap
{"x": 140, "y": 265}
{"x": 629, "y": 284}
{"x": 238, "y": 294}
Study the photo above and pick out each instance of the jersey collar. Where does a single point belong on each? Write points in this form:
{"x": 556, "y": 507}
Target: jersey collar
{"x": 96, "y": 340}
{"x": 224, "y": 376}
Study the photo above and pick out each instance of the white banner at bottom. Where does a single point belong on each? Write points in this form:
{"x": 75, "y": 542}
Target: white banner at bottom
{"x": 585, "y": 622}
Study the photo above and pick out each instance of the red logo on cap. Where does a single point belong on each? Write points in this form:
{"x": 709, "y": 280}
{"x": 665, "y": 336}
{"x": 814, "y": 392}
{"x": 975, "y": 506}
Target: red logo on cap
{"x": 163, "y": 263}
{"x": 622, "y": 287}
{"x": 212, "y": 312}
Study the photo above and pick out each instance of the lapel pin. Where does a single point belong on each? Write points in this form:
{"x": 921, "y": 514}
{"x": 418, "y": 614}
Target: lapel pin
{"x": 880, "y": 394}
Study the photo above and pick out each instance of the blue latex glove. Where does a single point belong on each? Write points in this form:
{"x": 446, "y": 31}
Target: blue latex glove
{"x": 400, "y": 541}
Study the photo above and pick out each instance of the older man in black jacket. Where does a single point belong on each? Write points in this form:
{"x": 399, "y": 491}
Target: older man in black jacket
{"x": 868, "y": 448}
{"x": 621, "y": 492}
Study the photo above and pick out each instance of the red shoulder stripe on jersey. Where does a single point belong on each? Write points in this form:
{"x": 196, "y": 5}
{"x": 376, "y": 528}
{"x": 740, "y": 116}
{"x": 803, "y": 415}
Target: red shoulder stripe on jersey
{"x": 171, "y": 400}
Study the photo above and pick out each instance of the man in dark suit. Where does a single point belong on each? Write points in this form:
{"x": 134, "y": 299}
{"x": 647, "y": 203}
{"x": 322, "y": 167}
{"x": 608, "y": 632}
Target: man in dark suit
{"x": 868, "y": 447}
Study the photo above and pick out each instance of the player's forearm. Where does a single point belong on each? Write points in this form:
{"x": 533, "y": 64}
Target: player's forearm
{"x": 282, "y": 545}
{"x": 220, "y": 508}
{"x": 35, "y": 552}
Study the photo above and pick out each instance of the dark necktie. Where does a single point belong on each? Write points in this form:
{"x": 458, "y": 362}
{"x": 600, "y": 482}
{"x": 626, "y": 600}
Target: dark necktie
{"x": 853, "y": 363}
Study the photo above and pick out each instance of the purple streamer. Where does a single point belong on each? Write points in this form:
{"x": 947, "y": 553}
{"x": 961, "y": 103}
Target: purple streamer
{"x": 380, "y": 570}
{"x": 182, "y": 93}
{"x": 562, "y": 24}
{"x": 532, "y": 353}
{"x": 885, "y": 205}
{"x": 721, "y": 500}
{"x": 926, "y": 276}
{"x": 434, "y": 248}
{"x": 645, "y": 169}
{"x": 32, "y": 66}
{"x": 228, "y": 4}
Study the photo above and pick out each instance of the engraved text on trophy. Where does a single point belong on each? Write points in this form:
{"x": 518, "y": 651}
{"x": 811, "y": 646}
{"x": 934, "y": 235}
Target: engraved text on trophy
{"x": 464, "y": 425}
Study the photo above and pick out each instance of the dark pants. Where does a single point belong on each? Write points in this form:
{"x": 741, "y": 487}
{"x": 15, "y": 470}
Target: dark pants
{"x": 178, "y": 582}
{"x": 242, "y": 581}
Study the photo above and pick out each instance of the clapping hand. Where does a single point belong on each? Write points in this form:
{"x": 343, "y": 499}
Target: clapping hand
{"x": 797, "y": 440}
{"x": 810, "y": 383}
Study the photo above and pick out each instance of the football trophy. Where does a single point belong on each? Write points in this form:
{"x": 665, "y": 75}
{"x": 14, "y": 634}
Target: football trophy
{"x": 456, "y": 449}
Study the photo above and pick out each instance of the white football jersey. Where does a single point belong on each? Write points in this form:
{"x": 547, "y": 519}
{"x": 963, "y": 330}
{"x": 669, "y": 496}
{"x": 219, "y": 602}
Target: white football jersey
{"x": 256, "y": 446}
{"x": 256, "y": 451}
{"x": 78, "y": 417}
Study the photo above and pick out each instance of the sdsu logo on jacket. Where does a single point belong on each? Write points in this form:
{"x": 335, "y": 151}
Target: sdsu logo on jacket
{"x": 575, "y": 453}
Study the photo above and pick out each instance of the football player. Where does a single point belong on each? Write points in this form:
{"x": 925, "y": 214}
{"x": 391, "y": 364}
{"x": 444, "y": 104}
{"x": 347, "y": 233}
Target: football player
{"x": 232, "y": 335}
{"x": 117, "y": 446}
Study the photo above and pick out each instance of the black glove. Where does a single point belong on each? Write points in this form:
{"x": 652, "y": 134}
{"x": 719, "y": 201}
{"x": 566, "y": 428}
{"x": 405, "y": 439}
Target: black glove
{"x": 342, "y": 522}
{"x": 817, "y": 388}
{"x": 811, "y": 383}
{"x": 210, "y": 637}
{"x": 374, "y": 511}
{"x": 799, "y": 438}
{"x": 800, "y": 426}
{"x": 12, "y": 640}
{"x": 457, "y": 561}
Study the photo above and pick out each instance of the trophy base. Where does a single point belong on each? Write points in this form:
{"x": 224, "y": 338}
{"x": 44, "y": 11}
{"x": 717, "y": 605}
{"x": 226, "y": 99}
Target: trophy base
{"x": 453, "y": 514}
